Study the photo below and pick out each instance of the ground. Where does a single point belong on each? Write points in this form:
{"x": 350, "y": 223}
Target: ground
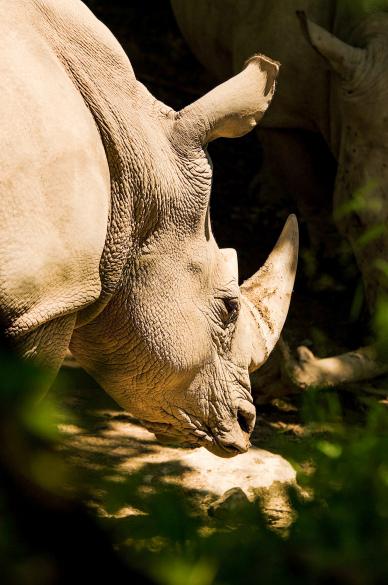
{"x": 107, "y": 446}
{"x": 113, "y": 457}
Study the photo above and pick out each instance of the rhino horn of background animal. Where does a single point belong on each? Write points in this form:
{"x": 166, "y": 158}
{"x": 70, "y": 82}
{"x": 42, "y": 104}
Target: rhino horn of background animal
{"x": 341, "y": 57}
{"x": 269, "y": 290}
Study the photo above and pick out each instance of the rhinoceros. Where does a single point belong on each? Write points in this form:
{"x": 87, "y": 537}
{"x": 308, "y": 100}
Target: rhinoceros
{"x": 106, "y": 245}
{"x": 326, "y": 134}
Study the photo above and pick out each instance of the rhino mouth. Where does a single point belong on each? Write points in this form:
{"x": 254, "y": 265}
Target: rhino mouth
{"x": 168, "y": 435}
{"x": 217, "y": 448}
{"x": 212, "y": 444}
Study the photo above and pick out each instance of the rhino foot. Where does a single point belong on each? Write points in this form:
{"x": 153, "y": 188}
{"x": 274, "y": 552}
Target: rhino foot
{"x": 291, "y": 374}
{"x": 309, "y": 371}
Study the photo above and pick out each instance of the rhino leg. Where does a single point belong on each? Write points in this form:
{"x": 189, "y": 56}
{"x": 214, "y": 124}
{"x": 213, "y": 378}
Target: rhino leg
{"x": 46, "y": 346}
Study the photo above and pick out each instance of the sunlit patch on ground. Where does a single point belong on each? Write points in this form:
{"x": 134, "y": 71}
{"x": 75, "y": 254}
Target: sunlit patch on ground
{"x": 108, "y": 446}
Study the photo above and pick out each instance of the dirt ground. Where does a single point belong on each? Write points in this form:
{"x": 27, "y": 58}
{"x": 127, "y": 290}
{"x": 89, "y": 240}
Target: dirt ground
{"x": 106, "y": 445}
{"x": 113, "y": 457}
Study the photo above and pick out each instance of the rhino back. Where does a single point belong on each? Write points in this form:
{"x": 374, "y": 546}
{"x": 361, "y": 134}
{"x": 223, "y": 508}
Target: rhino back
{"x": 54, "y": 181}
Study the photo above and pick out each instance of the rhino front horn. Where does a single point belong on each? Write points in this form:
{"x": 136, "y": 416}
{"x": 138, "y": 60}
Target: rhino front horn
{"x": 269, "y": 290}
{"x": 342, "y": 58}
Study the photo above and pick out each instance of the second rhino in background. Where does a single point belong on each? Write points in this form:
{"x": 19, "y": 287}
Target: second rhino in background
{"x": 332, "y": 95}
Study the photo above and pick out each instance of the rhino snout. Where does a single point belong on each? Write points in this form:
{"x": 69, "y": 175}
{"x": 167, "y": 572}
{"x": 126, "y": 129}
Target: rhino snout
{"x": 236, "y": 440}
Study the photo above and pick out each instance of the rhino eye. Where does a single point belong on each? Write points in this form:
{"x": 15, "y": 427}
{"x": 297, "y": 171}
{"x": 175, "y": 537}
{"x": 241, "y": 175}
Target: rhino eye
{"x": 232, "y": 306}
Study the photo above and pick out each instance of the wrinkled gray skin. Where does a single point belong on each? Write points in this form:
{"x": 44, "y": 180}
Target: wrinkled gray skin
{"x": 331, "y": 102}
{"x": 106, "y": 245}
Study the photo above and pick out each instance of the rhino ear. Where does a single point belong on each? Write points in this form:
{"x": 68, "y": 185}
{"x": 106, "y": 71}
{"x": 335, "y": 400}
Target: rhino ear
{"x": 341, "y": 57}
{"x": 233, "y": 108}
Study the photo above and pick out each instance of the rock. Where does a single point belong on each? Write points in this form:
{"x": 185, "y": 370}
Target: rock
{"x": 233, "y": 502}
{"x": 239, "y": 481}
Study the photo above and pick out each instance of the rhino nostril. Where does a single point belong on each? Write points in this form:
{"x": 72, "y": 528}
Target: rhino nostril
{"x": 235, "y": 447}
{"x": 246, "y": 420}
{"x": 234, "y": 442}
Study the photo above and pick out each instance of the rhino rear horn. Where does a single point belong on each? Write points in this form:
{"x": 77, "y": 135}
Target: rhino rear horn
{"x": 233, "y": 108}
{"x": 269, "y": 290}
{"x": 342, "y": 58}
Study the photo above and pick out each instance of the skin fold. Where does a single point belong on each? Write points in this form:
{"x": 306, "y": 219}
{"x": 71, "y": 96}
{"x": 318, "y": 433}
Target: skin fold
{"x": 107, "y": 246}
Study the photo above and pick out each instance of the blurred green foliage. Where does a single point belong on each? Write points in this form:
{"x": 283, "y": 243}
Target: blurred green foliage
{"x": 361, "y": 6}
{"x": 339, "y": 533}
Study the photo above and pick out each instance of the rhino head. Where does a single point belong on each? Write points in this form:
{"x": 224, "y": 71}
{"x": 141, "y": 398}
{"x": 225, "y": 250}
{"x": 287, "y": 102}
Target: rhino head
{"x": 359, "y": 139}
{"x": 179, "y": 337}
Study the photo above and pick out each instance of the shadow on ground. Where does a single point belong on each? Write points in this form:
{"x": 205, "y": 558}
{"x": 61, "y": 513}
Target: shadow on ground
{"x": 125, "y": 471}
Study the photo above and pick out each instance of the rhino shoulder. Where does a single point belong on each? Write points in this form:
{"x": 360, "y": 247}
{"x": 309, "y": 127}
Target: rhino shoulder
{"x": 54, "y": 184}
